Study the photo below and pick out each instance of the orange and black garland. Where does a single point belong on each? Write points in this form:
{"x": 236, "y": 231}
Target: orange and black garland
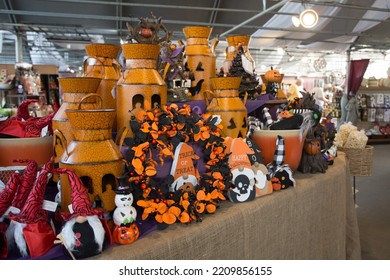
{"x": 156, "y": 134}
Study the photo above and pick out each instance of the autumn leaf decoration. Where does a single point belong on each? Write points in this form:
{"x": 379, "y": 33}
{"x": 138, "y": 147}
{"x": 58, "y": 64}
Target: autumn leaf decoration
{"x": 161, "y": 130}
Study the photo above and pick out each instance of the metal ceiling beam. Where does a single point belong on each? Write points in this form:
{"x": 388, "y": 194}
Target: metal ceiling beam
{"x": 163, "y": 6}
{"x": 214, "y": 13}
{"x": 341, "y": 5}
{"x": 115, "y": 32}
{"x": 281, "y": 3}
{"x": 11, "y": 17}
{"x": 334, "y": 17}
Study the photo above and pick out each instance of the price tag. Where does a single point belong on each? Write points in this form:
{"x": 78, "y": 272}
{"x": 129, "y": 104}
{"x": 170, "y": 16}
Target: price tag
{"x": 70, "y": 207}
{"x": 49, "y": 205}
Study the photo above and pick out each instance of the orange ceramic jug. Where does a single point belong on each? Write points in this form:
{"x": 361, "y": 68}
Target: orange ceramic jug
{"x": 74, "y": 89}
{"x": 101, "y": 63}
{"x": 92, "y": 155}
{"x": 229, "y": 106}
{"x": 142, "y": 87}
{"x": 200, "y": 56}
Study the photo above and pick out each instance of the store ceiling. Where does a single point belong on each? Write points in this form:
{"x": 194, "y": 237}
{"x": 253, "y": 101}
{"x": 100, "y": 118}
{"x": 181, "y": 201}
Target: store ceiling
{"x": 56, "y": 31}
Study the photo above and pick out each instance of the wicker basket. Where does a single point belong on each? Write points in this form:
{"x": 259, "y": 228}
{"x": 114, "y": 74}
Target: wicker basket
{"x": 6, "y": 172}
{"x": 360, "y": 160}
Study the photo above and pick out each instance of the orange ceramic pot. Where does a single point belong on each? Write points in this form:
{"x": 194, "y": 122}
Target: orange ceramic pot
{"x": 199, "y": 52}
{"x": 293, "y": 144}
{"x": 228, "y": 105}
{"x": 74, "y": 89}
{"x": 142, "y": 87}
{"x": 92, "y": 154}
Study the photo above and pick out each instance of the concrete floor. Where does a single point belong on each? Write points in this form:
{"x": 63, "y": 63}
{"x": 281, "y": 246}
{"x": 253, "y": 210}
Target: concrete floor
{"x": 373, "y": 207}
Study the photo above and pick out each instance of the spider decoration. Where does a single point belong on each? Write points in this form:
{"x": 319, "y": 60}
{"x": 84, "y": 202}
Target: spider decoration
{"x": 156, "y": 135}
{"x": 148, "y": 32}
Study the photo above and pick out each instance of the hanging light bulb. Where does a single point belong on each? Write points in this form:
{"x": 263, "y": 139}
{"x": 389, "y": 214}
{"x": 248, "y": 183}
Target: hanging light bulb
{"x": 308, "y": 18}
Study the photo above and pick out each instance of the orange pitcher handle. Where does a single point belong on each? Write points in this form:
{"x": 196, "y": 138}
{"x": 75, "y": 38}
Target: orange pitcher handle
{"x": 91, "y": 73}
{"x": 245, "y": 98}
{"x": 206, "y": 99}
{"x": 59, "y": 139}
{"x": 120, "y": 136}
{"x": 118, "y": 68}
{"x": 214, "y": 44}
{"x": 99, "y": 102}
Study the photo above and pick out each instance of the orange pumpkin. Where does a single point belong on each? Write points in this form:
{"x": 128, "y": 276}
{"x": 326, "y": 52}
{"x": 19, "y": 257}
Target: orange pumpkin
{"x": 312, "y": 147}
{"x": 273, "y": 76}
{"x": 146, "y": 32}
{"x": 126, "y": 234}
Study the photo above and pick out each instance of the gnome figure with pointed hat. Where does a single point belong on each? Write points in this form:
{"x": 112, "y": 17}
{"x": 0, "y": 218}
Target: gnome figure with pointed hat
{"x": 29, "y": 229}
{"x": 83, "y": 233}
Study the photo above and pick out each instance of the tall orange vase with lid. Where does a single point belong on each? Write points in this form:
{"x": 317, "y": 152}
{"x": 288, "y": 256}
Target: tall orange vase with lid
{"x": 200, "y": 56}
{"x": 142, "y": 87}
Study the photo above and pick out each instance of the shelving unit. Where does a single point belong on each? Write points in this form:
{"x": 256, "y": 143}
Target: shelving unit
{"x": 377, "y": 102}
{"x": 50, "y": 87}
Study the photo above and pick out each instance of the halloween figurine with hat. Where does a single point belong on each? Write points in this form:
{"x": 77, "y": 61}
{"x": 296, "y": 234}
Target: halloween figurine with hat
{"x": 30, "y": 229}
{"x": 183, "y": 170}
{"x": 126, "y": 230}
{"x": 27, "y": 180}
{"x": 241, "y": 168}
{"x": 281, "y": 173}
{"x": 6, "y": 197}
{"x": 83, "y": 232}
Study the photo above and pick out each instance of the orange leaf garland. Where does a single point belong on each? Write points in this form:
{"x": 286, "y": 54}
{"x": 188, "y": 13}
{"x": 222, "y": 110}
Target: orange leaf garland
{"x": 168, "y": 218}
{"x": 143, "y": 203}
{"x": 159, "y": 218}
{"x": 144, "y": 215}
{"x": 217, "y": 175}
{"x": 201, "y": 195}
{"x": 150, "y": 171}
{"x": 210, "y": 208}
{"x": 162, "y": 208}
{"x": 184, "y": 217}
{"x": 174, "y": 210}
{"x": 150, "y": 115}
{"x": 185, "y": 204}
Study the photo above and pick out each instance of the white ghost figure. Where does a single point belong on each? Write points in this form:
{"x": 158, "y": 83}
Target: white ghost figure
{"x": 124, "y": 212}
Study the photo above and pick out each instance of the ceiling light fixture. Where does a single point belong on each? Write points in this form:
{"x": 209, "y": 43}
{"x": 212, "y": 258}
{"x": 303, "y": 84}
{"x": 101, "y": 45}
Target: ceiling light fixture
{"x": 308, "y": 18}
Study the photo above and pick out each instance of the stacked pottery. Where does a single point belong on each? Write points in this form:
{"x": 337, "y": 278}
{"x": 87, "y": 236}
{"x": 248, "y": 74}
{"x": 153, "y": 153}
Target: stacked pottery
{"x": 101, "y": 63}
{"x": 142, "y": 87}
{"x": 200, "y": 56}
{"x": 92, "y": 154}
{"x": 229, "y": 106}
{"x": 74, "y": 89}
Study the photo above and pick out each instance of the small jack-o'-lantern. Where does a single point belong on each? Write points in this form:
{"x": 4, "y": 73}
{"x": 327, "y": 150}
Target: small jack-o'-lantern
{"x": 273, "y": 76}
{"x": 312, "y": 147}
{"x": 146, "y": 32}
{"x": 126, "y": 234}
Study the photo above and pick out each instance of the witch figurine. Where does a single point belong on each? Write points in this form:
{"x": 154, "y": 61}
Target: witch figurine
{"x": 30, "y": 229}
{"x": 83, "y": 233}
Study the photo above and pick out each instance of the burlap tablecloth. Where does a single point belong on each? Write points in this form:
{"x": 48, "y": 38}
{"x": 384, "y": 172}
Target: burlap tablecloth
{"x": 315, "y": 220}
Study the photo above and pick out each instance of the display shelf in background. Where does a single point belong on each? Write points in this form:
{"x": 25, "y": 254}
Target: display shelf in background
{"x": 377, "y": 107}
